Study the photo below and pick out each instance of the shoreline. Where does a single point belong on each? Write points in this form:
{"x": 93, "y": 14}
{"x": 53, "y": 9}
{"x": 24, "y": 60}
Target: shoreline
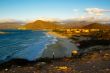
{"x": 63, "y": 47}
{"x": 97, "y": 61}
{"x": 56, "y": 46}
{"x": 56, "y": 34}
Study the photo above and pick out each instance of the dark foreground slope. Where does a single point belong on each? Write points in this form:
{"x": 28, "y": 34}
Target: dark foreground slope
{"x": 93, "y": 62}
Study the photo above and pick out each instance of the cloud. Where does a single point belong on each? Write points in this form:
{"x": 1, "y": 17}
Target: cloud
{"x": 96, "y": 11}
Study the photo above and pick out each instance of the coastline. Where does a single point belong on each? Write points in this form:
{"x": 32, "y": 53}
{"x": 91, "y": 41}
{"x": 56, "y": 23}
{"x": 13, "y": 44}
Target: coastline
{"x": 92, "y": 62}
{"x": 56, "y": 34}
{"x": 60, "y": 49}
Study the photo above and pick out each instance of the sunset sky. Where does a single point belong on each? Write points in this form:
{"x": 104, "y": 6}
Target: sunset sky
{"x": 63, "y": 9}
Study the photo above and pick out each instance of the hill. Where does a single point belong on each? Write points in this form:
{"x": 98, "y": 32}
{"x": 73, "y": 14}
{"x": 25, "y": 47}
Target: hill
{"x": 10, "y": 25}
{"x": 75, "y": 24}
{"x": 39, "y": 24}
{"x": 97, "y": 26}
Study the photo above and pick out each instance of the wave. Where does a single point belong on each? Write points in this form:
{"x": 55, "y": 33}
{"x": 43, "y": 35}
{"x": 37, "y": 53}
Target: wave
{"x": 30, "y": 47}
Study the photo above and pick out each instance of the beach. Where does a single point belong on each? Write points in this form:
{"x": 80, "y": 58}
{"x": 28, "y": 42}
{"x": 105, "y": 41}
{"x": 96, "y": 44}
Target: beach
{"x": 97, "y": 61}
{"x": 55, "y": 34}
{"x": 63, "y": 47}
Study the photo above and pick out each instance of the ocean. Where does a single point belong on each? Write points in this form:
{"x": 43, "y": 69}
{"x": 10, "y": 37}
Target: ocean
{"x": 23, "y": 44}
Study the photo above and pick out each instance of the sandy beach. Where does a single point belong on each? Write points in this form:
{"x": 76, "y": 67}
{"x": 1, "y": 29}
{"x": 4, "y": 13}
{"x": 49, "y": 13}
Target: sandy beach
{"x": 91, "y": 62}
{"x": 62, "y": 48}
{"x": 56, "y": 34}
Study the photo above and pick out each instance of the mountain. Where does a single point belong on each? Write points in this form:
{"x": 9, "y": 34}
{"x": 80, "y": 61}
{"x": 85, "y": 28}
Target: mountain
{"x": 10, "y": 25}
{"x": 97, "y": 26}
{"x": 75, "y": 24}
{"x": 39, "y": 24}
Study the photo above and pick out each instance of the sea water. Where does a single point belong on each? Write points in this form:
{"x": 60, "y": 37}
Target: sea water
{"x": 23, "y": 44}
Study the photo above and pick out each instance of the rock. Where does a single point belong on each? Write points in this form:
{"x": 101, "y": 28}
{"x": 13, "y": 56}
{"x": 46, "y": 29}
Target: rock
{"x": 13, "y": 71}
{"x": 107, "y": 69}
{"x": 41, "y": 63}
{"x": 6, "y": 69}
{"x": 19, "y": 66}
{"x": 31, "y": 67}
{"x": 61, "y": 67}
{"x": 34, "y": 72}
{"x": 106, "y": 54}
{"x": 94, "y": 66}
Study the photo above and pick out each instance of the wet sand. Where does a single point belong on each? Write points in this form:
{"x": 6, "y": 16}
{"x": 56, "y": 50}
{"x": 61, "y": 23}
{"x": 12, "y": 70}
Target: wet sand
{"x": 62, "y": 48}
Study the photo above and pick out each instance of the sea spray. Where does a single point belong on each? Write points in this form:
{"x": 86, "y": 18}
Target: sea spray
{"x": 52, "y": 40}
{"x": 34, "y": 53}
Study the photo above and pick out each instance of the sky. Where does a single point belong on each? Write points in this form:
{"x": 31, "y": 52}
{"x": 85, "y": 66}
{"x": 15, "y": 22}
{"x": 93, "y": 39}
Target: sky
{"x": 59, "y": 9}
